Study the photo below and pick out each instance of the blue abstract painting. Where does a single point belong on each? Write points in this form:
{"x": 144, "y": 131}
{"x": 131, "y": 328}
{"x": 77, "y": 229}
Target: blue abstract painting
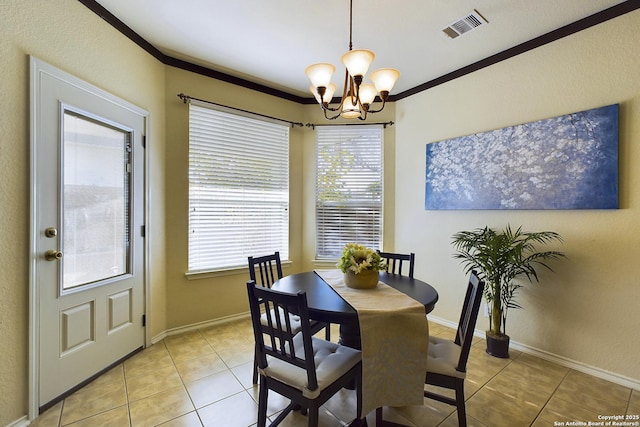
{"x": 566, "y": 162}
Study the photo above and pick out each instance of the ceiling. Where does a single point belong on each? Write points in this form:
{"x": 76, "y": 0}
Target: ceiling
{"x": 271, "y": 42}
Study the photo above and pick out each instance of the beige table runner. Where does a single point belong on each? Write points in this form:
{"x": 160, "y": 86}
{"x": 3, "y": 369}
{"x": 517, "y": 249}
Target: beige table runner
{"x": 394, "y": 334}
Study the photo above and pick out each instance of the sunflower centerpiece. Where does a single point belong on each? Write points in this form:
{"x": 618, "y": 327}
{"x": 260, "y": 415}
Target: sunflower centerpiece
{"x": 360, "y": 266}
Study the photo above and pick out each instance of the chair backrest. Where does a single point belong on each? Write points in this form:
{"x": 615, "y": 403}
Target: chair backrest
{"x": 468, "y": 318}
{"x": 394, "y": 262}
{"x": 273, "y": 332}
{"x": 266, "y": 265}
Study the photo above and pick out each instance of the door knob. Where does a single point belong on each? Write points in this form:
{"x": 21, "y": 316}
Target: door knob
{"x": 52, "y": 255}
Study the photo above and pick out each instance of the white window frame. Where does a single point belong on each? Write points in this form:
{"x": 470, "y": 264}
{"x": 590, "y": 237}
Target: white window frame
{"x": 349, "y": 188}
{"x": 238, "y": 188}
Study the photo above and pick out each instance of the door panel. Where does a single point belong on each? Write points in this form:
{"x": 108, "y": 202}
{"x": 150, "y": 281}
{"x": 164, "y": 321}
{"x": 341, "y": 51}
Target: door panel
{"x": 88, "y": 203}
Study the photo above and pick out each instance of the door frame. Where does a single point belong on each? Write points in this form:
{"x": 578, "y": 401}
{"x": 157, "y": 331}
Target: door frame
{"x": 36, "y": 68}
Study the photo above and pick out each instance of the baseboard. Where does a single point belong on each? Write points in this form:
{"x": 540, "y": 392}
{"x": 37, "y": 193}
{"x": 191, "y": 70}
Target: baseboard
{"x": 578, "y": 366}
{"x": 22, "y": 422}
{"x": 560, "y": 360}
{"x": 199, "y": 325}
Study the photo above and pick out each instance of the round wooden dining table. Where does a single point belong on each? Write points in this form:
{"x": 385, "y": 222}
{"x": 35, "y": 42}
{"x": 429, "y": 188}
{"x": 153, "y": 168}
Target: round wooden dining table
{"x": 326, "y": 305}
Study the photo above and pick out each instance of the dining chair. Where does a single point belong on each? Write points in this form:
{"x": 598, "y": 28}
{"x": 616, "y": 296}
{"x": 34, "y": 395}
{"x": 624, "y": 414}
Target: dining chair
{"x": 447, "y": 359}
{"x": 269, "y": 268}
{"x": 395, "y": 261}
{"x": 297, "y": 365}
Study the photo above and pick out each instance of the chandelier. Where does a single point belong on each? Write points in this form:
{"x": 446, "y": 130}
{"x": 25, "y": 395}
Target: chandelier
{"x": 357, "y": 96}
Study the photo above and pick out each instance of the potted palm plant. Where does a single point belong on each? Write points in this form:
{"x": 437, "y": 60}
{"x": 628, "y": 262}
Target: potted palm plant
{"x": 499, "y": 257}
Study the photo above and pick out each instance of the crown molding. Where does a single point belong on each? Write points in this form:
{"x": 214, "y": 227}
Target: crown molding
{"x": 575, "y": 27}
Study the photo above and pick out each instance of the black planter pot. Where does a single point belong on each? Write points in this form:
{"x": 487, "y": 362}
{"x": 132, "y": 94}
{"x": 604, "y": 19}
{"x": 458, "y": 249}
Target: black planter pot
{"x": 498, "y": 345}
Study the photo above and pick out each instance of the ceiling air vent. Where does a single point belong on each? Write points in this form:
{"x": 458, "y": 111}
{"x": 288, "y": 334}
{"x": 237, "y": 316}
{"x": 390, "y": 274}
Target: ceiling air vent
{"x": 464, "y": 25}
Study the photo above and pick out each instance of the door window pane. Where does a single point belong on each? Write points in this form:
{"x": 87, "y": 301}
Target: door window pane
{"x": 95, "y": 207}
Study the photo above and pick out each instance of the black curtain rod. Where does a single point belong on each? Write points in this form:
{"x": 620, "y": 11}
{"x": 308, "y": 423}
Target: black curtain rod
{"x": 187, "y": 98}
{"x": 384, "y": 124}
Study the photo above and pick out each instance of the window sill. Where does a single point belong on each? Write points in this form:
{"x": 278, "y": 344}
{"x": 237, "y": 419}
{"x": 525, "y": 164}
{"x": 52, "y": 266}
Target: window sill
{"x": 231, "y": 271}
{"x": 325, "y": 263}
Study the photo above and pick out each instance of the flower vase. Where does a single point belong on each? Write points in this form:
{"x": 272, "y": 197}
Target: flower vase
{"x": 366, "y": 279}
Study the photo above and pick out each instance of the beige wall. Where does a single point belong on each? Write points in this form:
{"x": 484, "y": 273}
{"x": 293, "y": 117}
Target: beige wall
{"x": 69, "y": 36}
{"x": 588, "y": 311}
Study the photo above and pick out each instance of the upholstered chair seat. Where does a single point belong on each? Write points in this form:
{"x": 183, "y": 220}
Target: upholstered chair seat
{"x": 331, "y": 360}
{"x": 443, "y": 357}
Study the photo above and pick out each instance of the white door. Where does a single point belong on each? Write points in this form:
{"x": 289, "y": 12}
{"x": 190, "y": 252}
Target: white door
{"x": 88, "y": 211}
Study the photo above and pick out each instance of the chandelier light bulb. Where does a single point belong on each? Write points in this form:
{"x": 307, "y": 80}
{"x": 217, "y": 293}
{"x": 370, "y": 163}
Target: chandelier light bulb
{"x": 328, "y": 94}
{"x": 349, "y": 109}
{"x": 385, "y": 78}
{"x": 358, "y": 61}
{"x": 320, "y": 74}
{"x": 368, "y": 93}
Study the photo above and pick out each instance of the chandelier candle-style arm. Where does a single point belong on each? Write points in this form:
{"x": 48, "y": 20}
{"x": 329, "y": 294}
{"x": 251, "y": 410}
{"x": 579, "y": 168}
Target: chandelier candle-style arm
{"x": 357, "y": 96}
{"x": 384, "y": 79}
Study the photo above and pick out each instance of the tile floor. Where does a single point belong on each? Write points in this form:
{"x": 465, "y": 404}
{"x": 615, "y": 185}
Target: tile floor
{"x": 203, "y": 378}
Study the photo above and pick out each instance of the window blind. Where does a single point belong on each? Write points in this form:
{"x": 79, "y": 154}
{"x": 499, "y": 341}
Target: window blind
{"x": 238, "y": 189}
{"x": 348, "y": 188}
